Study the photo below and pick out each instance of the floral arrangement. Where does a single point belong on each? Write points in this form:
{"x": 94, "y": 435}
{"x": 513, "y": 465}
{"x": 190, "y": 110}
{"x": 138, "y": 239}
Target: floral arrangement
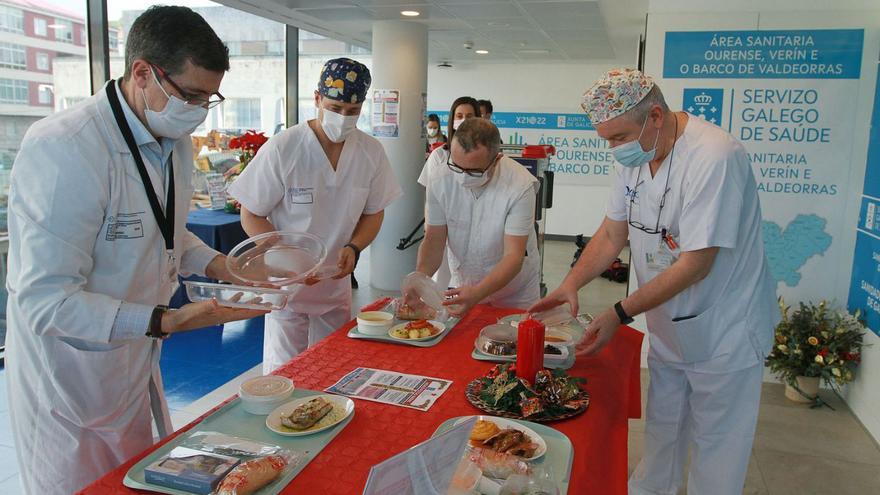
{"x": 249, "y": 143}
{"x": 815, "y": 341}
{"x": 553, "y": 392}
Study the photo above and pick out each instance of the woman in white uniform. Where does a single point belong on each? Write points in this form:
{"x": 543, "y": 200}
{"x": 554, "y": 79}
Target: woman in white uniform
{"x": 464, "y": 107}
{"x": 481, "y": 204}
{"x": 685, "y": 196}
{"x": 327, "y": 178}
{"x": 97, "y": 224}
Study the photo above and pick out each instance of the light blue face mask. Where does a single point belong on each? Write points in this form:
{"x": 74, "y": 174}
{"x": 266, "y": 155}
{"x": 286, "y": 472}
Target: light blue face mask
{"x": 631, "y": 154}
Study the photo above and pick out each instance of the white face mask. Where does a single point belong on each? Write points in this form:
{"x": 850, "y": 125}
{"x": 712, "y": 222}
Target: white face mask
{"x": 177, "y": 119}
{"x": 336, "y": 126}
{"x": 432, "y": 131}
{"x": 470, "y": 182}
{"x": 456, "y": 123}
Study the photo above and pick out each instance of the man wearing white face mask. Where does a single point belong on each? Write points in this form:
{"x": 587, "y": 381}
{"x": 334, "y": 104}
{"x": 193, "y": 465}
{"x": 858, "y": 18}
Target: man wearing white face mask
{"x": 481, "y": 205}
{"x": 327, "y": 178}
{"x": 685, "y": 196}
{"x": 97, "y": 214}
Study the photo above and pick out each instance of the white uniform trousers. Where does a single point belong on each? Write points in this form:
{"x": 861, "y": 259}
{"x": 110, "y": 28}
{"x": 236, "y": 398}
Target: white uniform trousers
{"x": 713, "y": 416}
{"x": 288, "y": 334}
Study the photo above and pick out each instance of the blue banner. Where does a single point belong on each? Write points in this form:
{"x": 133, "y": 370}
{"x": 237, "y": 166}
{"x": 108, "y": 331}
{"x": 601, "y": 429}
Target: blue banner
{"x": 526, "y": 120}
{"x": 864, "y": 291}
{"x": 789, "y": 54}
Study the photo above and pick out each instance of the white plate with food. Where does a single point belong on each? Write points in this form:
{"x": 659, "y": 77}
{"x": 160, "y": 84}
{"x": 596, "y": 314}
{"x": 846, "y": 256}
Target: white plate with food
{"x": 506, "y": 436}
{"x": 415, "y": 331}
{"x": 309, "y": 415}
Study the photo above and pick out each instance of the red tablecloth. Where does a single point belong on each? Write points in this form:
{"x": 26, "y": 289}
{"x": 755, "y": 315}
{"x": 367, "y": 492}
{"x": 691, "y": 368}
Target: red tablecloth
{"x": 379, "y": 431}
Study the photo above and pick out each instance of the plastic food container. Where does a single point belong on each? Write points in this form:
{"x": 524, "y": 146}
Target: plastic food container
{"x": 497, "y": 340}
{"x": 374, "y": 322}
{"x": 263, "y": 394}
{"x": 427, "y": 299}
{"x": 237, "y": 296}
{"x": 558, "y": 338}
{"x": 277, "y": 258}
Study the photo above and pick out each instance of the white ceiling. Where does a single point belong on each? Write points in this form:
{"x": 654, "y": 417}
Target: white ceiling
{"x": 512, "y": 30}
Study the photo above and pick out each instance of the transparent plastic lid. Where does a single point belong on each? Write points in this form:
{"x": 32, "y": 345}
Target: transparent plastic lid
{"x": 277, "y": 258}
{"x": 422, "y": 298}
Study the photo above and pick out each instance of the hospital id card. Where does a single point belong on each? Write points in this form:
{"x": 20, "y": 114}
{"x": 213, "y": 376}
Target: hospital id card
{"x": 662, "y": 258}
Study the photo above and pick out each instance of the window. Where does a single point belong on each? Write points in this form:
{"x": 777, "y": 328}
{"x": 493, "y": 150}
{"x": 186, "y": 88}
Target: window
{"x": 241, "y": 114}
{"x": 12, "y": 56}
{"x": 45, "y": 94}
{"x": 11, "y": 19}
{"x": 42, "y": 61}
{"x": 13, "y": 91}
{"x": 63, "y": 30}
{"x": 256, "y": 80}
{"x": 41, "y": 27}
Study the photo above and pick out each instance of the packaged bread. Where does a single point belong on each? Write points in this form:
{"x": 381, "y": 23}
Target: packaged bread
{"x": 252, "y": 475}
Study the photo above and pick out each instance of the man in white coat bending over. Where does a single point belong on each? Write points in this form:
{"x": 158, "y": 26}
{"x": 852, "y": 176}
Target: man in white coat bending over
{"x": 685, "y": 196}
{"x": 482, "y": 205}
{"x": 97, "y": 216}
{"x": 327, "y": 178}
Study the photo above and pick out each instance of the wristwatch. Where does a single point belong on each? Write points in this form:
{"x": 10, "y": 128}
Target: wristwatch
{"x": 357, "y": 251}
{"x": 155, "y": 328}
{"x": 624, "y": 318}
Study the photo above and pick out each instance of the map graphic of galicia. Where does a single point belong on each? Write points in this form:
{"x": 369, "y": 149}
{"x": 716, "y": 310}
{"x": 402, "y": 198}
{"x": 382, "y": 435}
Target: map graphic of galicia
{"x": 787, "y": 251}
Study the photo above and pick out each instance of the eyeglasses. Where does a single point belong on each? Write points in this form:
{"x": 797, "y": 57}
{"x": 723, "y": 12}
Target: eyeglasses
{"x": 189, "y": 98}
{"x": 632, "y": 200}
{"x": 472, "y": 173}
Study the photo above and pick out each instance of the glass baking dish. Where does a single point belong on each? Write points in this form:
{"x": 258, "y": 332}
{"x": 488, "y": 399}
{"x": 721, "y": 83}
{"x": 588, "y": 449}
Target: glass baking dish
{"x": 237, "y": 296}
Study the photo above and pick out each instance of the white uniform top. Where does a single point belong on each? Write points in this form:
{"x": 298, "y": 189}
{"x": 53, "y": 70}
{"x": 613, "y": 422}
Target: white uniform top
{"x": 436, "y": 160}
{"x": 712, "y": 201}
{"x": 478, "y": 220}
{"x": 291, "y": 182}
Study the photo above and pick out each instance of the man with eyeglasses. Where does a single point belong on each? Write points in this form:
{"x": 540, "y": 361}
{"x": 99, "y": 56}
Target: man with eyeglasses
{"x": 482, "y": 205}
{"x": 685, "y": 197}
{"x": 97, "y": 222}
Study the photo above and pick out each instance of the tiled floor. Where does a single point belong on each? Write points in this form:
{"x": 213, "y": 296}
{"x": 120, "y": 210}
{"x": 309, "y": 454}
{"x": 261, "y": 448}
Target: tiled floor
{"x": 797, "y": 450}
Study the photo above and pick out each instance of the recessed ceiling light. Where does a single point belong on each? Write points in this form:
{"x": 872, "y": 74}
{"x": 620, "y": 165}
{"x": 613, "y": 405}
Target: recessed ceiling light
{"x": 410, "y": 13}
{"x": 534, "y": 51}
{"x": 482, "y": 52}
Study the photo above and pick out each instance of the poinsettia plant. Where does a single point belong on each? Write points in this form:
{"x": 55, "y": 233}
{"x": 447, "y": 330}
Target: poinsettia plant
{"x": 816, "y": 341}
{"x": 249, "y": 143}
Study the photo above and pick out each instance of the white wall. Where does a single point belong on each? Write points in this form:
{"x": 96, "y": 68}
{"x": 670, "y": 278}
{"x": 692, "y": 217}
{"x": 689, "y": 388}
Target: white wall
{"x": 863, "y": 396}
{"x": 532, "y": 88}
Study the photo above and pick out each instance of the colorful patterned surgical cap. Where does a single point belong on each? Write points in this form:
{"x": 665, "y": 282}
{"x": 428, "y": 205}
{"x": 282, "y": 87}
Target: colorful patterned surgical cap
{"x": 345, "y": 80}
{"x": 614, "y": 93}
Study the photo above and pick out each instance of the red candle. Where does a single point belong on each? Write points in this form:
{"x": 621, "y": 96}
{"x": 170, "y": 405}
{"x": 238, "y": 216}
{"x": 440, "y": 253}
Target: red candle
{"x": 529, "y": 349}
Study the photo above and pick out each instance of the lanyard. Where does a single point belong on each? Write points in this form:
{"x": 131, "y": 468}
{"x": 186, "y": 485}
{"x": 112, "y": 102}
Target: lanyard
{"x": 166, "y": 219}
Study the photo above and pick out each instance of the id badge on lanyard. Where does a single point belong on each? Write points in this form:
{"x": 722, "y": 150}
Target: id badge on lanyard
{"x": 665, "y": 255}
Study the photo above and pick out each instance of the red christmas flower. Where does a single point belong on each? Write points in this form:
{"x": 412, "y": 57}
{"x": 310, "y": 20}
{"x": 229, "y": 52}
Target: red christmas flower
{"x": 824, "y": 352}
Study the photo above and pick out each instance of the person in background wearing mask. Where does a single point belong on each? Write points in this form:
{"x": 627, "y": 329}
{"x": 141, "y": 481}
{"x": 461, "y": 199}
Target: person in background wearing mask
{"x": 486, "y": 109}
{"x": 464, "y": 107}
{"x": 481, "y": 205}
{"x": 685, "y": 196}
{"x": 327, "y": 178}
{"x": 433, "y": 130}
{"x": 97, "y": 225}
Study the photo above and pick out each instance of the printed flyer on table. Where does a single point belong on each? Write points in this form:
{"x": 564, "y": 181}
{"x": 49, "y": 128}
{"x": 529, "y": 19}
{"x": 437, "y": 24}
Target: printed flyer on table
{"x": 389, "y": 387}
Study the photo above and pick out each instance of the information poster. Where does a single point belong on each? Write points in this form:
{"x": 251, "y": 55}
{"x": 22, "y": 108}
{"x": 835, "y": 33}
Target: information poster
{"x": 389, "y": 387}
{"x": 788, "y": 96}
{"x": 864, "y": 292}
{"x": 582, "y": 157}
{"x": 386, "y": 113}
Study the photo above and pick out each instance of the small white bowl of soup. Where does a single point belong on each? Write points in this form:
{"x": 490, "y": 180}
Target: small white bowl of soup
{"x": 374, "y": 322}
